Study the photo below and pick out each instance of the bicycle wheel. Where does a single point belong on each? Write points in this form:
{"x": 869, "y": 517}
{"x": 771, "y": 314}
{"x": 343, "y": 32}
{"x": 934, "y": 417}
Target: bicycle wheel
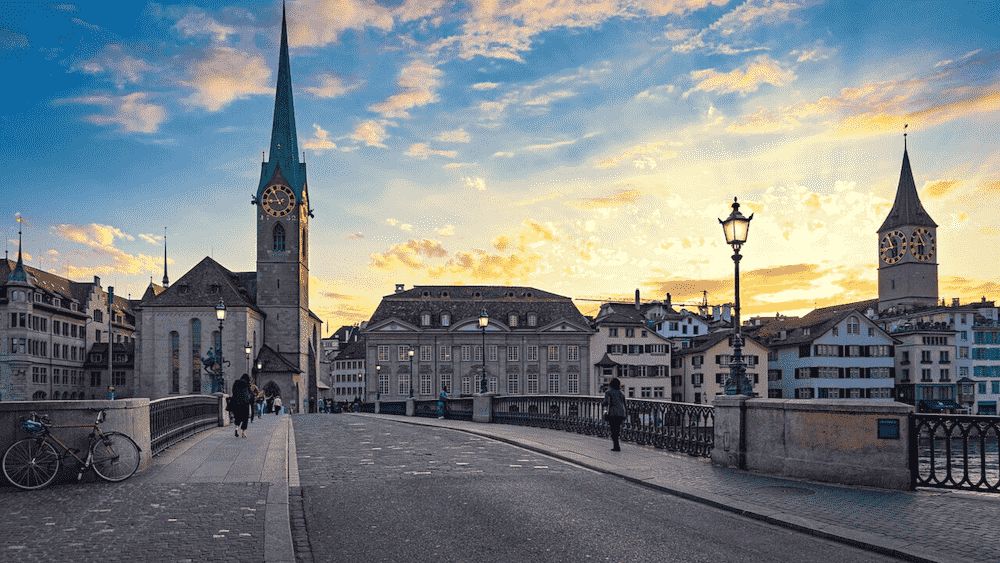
{"x": 114, "y": 457}
{"x": 31, "y": 463}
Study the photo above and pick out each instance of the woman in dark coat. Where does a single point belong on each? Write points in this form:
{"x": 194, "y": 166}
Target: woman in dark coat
{"x": 614, "y": 400}
{"x": 240, "y": 404}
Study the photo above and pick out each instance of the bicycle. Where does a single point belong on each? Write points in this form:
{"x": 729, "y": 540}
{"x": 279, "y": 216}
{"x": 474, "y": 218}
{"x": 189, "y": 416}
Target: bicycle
{"x": 32, "y": 463}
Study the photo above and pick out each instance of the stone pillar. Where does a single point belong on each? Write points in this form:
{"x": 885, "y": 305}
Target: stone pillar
{"x": 411, "y": 407}
{"x": 378, "y": 407}
{"x": 730, "y": 425}
{"x": 223, "y": 413}
{"x": 482, "y": 407}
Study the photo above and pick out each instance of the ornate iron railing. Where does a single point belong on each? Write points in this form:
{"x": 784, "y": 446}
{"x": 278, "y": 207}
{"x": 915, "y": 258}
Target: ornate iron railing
{"x": 426, "y": 408}
{"x": 954, "y": 452}
{"x": 679, "y": 427}
{"x": 368, "y": 407}
{"x": 392, "y": 407}
{"x": 459, "y": 409}
{"x": 175, "y": 418}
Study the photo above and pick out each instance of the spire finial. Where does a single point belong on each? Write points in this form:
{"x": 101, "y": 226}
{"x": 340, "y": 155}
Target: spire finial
{"x": 18, "y": 215}
{"x": 905, "y": 125}
{"x": 166, "y": 280}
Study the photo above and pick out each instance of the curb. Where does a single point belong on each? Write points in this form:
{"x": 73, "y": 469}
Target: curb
{"x": 853, "y": 538}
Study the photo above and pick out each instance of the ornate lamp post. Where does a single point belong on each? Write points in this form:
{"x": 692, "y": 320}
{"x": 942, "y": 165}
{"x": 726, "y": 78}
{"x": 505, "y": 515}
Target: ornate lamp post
{"x": 484, "y": 321}
{"x": 378, "y": 374}
{"x": 220, "y": 313}
{"x": 410, "y": 354}
{"x": 248, "y": 349}
{"x": 735, "y": 228}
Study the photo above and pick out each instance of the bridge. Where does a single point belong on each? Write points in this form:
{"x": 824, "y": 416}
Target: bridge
{"x": 210, "y": 494}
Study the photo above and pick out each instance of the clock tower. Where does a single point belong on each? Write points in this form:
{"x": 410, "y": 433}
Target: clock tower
{"x": 907, "y": 250}
{"x": 282, "y": 209}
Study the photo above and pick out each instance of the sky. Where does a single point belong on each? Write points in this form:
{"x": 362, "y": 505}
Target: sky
{"x": 583, "y": 147}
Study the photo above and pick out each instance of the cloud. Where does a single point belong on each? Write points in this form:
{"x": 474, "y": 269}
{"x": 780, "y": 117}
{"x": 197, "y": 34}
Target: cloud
{"x": 656, "y": 93}
{"x": 546, "y": 99}
{"x": 451, "y": 165}
{"x": 617, "y": 199}
{"x": 101, "y": 239}
{"x": 735, "y": 27}
{"x": 402, "y": 226}
{"x": 410, "y": 254}
{"x": 761, "y": 70}
{"x": 940, "y": 188}
{"x": 475, "y": 183}
{"x": 423, "y": 150}
{"x": 332, "y": 87}
{"x": 130, "y": 113}
{"x": 89, "y": 26}
{"x": 355, "y": 236}
{"x": 371, "y": 133}
{"x": 501, "y": 153}
{"x": 456, "y": 136}
{"x": 419, "y": 81}
{"x": 314, "y": 23}
{"x": 197, "y": 22}
{"x": 547, "y": 146}
{"x": 446, "y": 231}
{"x": 320, "y": 141}
{"x": 122, "y": 68}
{"x": 642, "y": 155}
{"x": 485, "y": 85}
{"x": 226, "y": 75}
{"x": 151, "y": 239}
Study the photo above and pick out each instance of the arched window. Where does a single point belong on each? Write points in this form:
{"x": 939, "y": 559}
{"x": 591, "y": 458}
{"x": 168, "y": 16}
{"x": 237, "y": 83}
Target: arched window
{"x": 38, "y": 396}
{"x": 852, "y": 326}
{"x": 175, "y": 362}
{"x": 195, "y": 355}
{"x": 279, "y": 237}
{"x": 305, "y": 242}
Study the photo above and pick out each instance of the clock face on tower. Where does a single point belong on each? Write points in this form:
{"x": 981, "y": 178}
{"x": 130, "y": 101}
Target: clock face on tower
{"x": 922, "y": 244}
{"x": 892, "y": 247}
{"x": 278, "y": 200}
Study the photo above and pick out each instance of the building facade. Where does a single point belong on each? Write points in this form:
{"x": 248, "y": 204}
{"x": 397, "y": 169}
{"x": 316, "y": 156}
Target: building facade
{"x": 534, "y": 342}
{"x": 702, "y": 368}
{"x": 624, "y": 345}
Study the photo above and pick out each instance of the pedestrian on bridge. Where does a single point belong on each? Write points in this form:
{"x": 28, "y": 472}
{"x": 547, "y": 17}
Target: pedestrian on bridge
{"x": 614, "y": 400}
{"x": 443, "y": 402}
{"x": 240, "y": 404}
{"x": 277, "y": 405}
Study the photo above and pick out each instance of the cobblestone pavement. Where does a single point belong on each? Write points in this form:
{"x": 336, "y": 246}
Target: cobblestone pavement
{"x": 133, "y": 521}
{"x": 375, "y": 490}
{"x": 924, "y": 525}
{"x": 213, "y": 497}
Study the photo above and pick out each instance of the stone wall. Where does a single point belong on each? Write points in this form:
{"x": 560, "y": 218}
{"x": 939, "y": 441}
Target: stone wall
{"x": 834, "y": 441}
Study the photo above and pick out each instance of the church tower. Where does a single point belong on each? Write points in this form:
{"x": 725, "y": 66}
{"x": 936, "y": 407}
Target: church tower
{"x": 907, "y": 249}
{"x": 282, "y": 206}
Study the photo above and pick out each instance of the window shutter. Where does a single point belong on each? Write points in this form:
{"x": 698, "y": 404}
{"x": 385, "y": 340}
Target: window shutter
{"x": 814, "y": 372}
{"x": 840, "y": 373}
{"x": 611, "y": 348}
{"x": 892, "y": 351}
{"x": 840, "y": 350}
{"x": 804, "y": 351}
{"x": 718, "y": 359}
{"x": 892, "y": 372}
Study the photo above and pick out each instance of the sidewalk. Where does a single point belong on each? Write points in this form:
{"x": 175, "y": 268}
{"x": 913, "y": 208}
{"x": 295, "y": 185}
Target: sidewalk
{"x": 211, "y": 497}
{"x": 927, "y": 525}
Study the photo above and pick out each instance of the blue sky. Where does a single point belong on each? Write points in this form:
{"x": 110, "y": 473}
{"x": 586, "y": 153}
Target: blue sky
{"x": 584, "y": 148}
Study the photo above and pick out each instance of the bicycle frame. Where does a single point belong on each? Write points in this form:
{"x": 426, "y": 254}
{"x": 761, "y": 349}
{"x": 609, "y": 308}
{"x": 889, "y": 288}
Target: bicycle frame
{"x": 95, "y": 434}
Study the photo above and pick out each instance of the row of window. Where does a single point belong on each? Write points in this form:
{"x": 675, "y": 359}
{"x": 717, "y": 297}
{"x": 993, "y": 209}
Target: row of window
{"x": 724, "y": 359}
{"x": 838, "y": 393}
{"x": 349, "y": 364}
{"x": 512, "y": 319}
{"x": 634, "y": 371}
{"x": 637, "y": 349}
{"x": 613, "y": 332}
{"x": 16, "y": 295}
{"x": 925, "y": 375}
{"x": 986, "y": 371}
{"x": 853, "y": 351}
{"x": 475, "y": 353}
{"x": 994, "y": 387}
{"x": 827, "y": 372}
{"x": 60, "y": 376}
{"x": 196, "y": 351}
{"x": 348, "y": 378}
{"x": 472, "y": 384}
{"x": 985, "y": 337}
{"x": 698, "y": 379}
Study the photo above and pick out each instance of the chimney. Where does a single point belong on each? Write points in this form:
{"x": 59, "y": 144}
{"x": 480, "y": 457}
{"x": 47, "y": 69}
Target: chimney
{"x": 97, "y": 282}
{"x": 954, "y": 301}
{"x": 668, "y": 301}
{"x": 783, "y": 335}
{"x": 715, "y": 312}
{"x": 636, "y": 299}
{"x": 399, "y": 288}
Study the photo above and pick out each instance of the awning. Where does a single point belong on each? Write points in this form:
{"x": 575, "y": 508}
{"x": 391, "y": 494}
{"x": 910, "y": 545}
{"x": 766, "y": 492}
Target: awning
{"x": 321, "y": 385}
{"x": 606, "y": 362}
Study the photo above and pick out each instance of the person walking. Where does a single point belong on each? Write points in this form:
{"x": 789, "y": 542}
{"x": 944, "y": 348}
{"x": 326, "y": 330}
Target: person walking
{"x": 253, "y": 401}
{"x": 614, "y": 400}
{"x": 259, "y": 404}
{"x": 442, "y": 401}
{"x": 240, "y": 404}
{"x": 277, "y": 405}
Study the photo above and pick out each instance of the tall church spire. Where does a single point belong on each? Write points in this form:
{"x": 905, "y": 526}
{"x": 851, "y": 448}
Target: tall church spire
{"x": 18, "y": 274}
{"x": 284, "y": 141}
{"x": 906, "y": 210}
{"x": 166, "y": 280}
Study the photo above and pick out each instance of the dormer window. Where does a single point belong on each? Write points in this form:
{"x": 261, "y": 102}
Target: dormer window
{"x": 425, "y": 294}
{"x": 510, "y": 294}
{"x": 532, "y": 319}
{"x": 445, "y": 319}
{"x": 512, "y": 320}
{"x": 55, "y": 303}
{"x": 477, "y": 295}
{"x": 425, "y": 319}
{"x": 38, "y": 298}
{"x": 183, "y": 289}
{"x": 215, "y": 288}
{"x": 445, "y": 294}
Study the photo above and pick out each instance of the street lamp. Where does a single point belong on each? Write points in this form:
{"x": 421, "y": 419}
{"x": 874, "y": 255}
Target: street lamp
{"x": 248, "y": 349}
{"x": 484, "y": 320}
{"x": 220, "y": 313}
{"x": 410, "y": 353}
{"x": 378, "y": 374}
{"x": 736, "y": 227}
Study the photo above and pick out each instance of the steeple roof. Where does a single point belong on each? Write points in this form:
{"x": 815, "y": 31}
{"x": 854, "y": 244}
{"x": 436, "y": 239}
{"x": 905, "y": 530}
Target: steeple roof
{"x": 907, "y": 210}
{"x": 18, "y": 274}
{"x": 284, "y": 140}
